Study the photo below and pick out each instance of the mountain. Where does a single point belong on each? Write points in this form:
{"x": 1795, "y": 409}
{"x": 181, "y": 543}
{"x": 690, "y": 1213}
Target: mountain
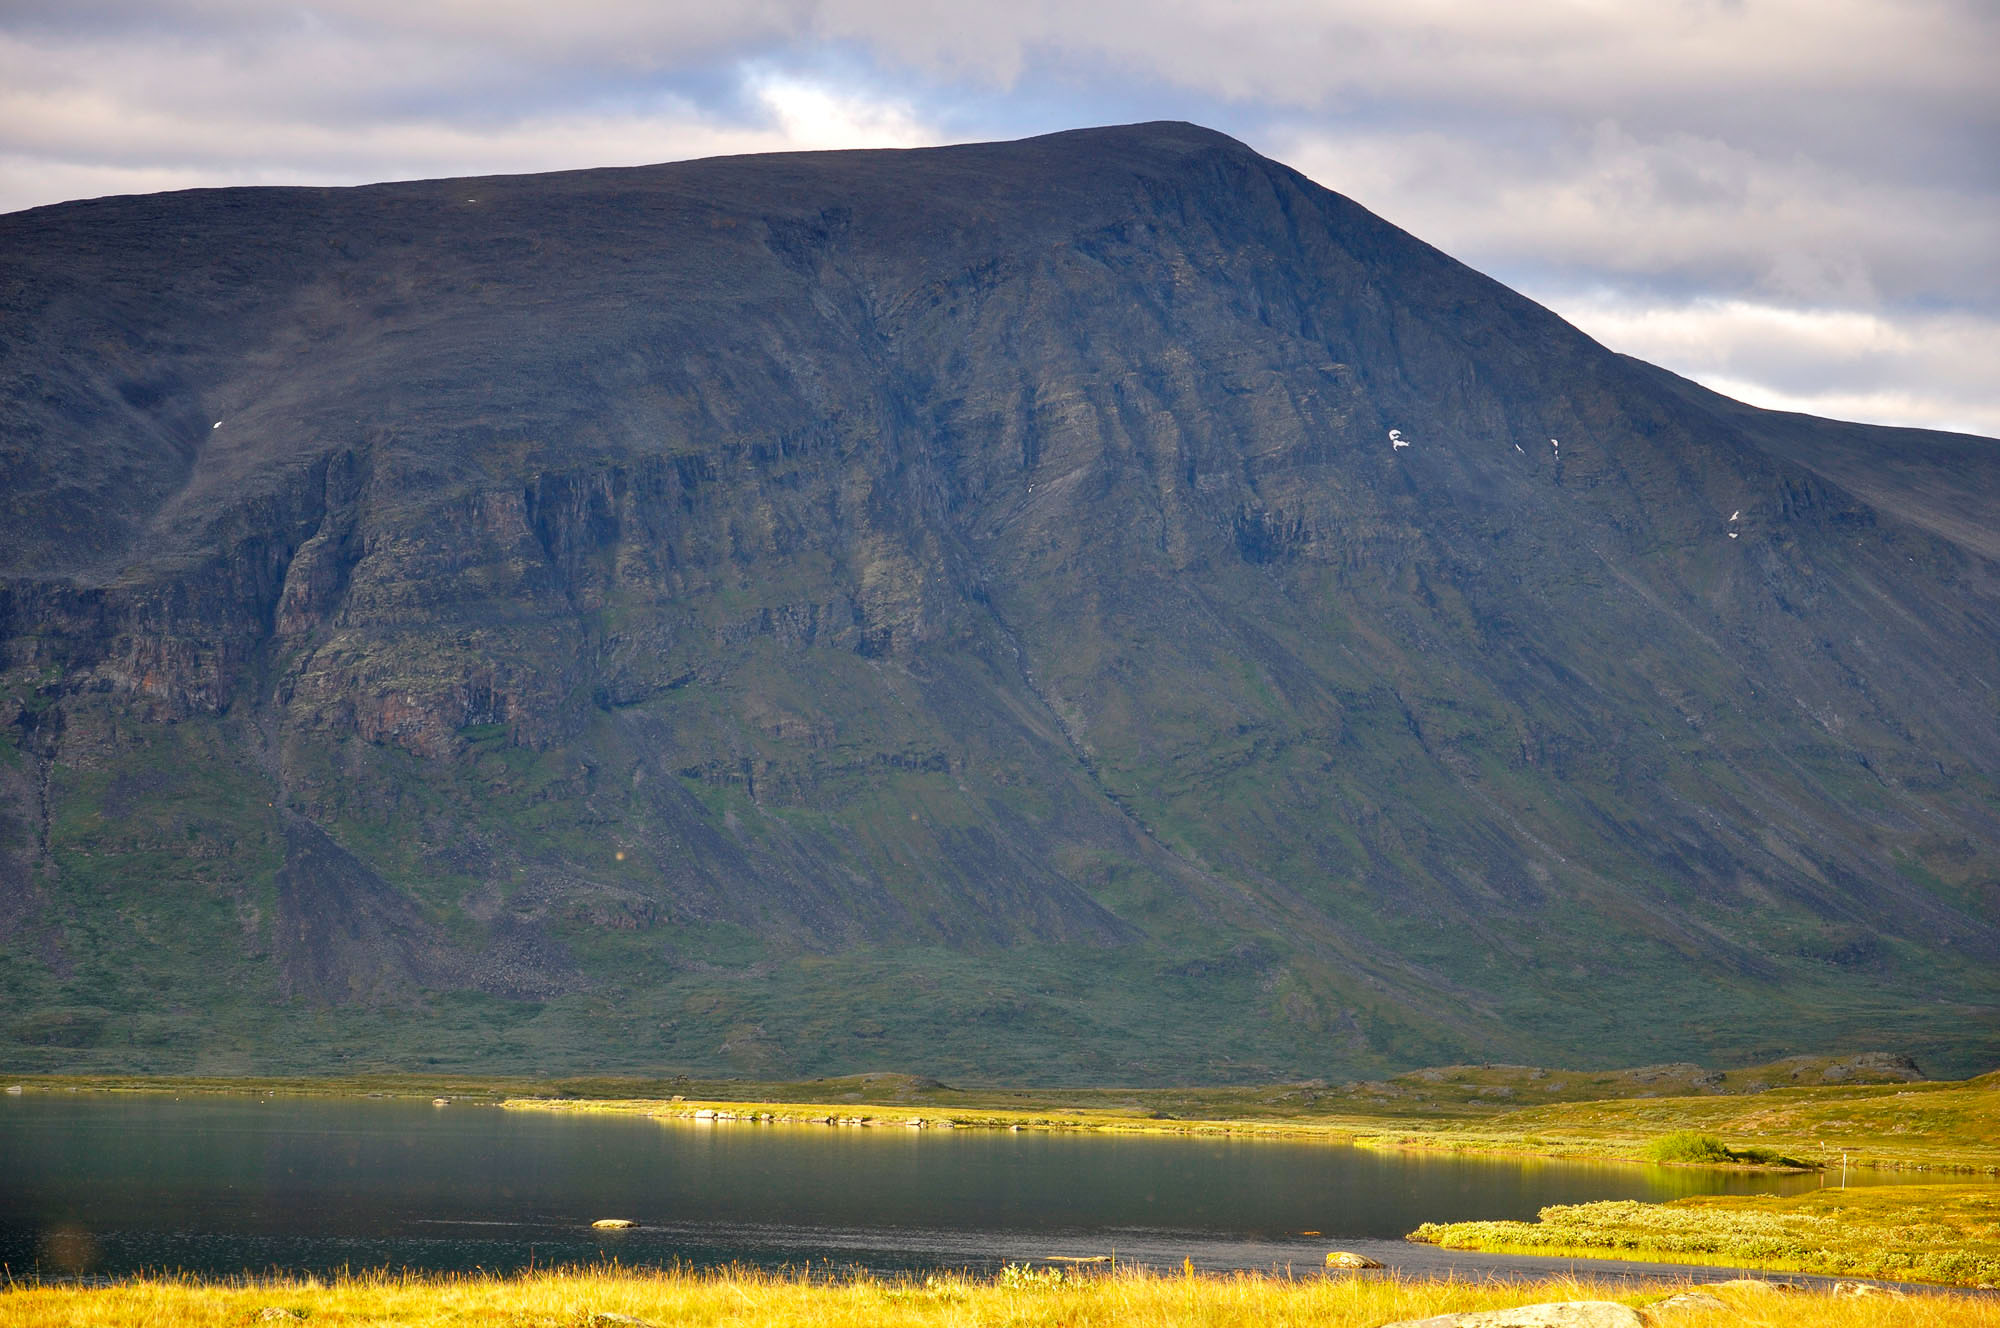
{"x": 956, "y": 610}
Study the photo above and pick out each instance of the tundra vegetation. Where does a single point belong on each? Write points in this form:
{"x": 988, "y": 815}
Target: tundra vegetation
{"x": 613, "y": 1297}
{"x": 1924, "y": 1233}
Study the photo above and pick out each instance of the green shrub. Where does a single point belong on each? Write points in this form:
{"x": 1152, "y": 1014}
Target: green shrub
{"x": 1026, "y": 1275}
{"x": 1688, "y": 1146}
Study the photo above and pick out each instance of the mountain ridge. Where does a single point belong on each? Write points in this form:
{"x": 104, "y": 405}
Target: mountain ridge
{"x": 965, "y": 594}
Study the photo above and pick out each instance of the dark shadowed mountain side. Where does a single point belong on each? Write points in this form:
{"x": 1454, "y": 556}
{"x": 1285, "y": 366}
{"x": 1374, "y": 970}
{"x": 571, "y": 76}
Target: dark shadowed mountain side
{"x": 956, "y": 610}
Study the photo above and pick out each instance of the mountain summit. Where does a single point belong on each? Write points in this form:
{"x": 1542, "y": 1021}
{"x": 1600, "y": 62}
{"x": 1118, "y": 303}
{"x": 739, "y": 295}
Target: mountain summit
{"x": 1096, "y": 607}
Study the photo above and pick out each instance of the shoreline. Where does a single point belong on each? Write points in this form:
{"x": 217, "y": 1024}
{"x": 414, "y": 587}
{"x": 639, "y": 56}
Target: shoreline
{"x": 1452, "y": 1135}
{"x": 1355, "y": 1132}
{"x": 1865, "y": 1128}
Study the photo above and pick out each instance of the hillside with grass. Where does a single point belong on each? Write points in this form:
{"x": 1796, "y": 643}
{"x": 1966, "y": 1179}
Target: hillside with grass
{"x": 960, "y": 611}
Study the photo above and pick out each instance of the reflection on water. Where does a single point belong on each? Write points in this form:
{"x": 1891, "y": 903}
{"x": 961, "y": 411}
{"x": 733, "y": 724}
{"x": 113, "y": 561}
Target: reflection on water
{"x": 102, "y": 1185}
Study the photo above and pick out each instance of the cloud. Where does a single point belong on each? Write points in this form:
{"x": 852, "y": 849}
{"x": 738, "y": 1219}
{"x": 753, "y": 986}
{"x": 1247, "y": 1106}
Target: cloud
{"x": 811, "y": 116}
{"x": 1694, "y": 158}
{"x": 1932, "y": 371}
{"x": 1782, "y": 281}
{"x": 124, "y": 128}
{"x": 1671, "y": 211}
{"x": 1776, "y": 70}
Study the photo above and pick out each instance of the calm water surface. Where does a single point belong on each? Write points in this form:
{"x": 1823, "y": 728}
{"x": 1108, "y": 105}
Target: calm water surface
{"x": 96, "y": 1185}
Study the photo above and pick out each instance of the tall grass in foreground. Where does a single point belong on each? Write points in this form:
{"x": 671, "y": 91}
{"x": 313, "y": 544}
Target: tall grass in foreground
{"x": 581, "y": 1298}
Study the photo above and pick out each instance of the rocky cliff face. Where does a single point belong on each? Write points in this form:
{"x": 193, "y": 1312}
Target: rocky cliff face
{"x": 960, "y": 610}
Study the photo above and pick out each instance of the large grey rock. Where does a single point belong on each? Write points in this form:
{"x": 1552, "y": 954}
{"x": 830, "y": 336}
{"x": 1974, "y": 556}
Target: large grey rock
{"x": 1349, "y": 1259}
{"x": 1688, "y": 1301}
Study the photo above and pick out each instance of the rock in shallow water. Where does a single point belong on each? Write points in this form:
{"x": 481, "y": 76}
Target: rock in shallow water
{"x": 1349, "y": 1259}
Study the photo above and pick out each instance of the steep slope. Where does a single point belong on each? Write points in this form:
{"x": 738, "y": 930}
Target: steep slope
{"x": 959, "y": 610}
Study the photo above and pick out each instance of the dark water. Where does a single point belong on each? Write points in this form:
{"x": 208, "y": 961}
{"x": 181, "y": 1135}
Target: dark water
{"x": 96, "y": 1185}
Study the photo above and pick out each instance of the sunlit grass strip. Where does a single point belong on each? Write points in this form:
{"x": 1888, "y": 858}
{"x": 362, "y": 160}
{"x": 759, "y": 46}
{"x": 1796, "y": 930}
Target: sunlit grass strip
{"x": 879, "y": 1116}
{"x": 1919, "y": 1233}
{"x": 578, "y": 1298}
{"x": 1946, "y": 1127}
{"x": 1361, "y": 1131}
{"x": 1443, "y": 1138}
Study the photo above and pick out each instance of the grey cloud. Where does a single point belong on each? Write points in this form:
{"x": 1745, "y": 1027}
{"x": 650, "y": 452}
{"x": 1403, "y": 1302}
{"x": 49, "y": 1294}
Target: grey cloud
{"x": 1932, "y": 370}
{"x": 1673, "y": 212}
{"x": 1801, "y": 154}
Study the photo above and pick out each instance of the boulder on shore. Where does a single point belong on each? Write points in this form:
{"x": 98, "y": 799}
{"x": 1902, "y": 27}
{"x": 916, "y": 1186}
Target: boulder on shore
{"x": 1349, "y": 1259}
{"x": 1689, "y": 1301}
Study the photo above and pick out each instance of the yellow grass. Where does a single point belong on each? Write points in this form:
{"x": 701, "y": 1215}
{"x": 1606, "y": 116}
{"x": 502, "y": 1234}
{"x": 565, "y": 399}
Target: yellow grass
{"x": 574, "y": 1299}
{"x": 1102, "y": 1120}
{"x": 1937, "y": 1126}
{"x": 1925, "y": 1233}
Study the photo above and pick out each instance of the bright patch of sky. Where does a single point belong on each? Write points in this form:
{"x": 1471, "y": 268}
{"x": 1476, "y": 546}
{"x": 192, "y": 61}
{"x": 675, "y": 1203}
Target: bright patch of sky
{"x": 1794, "y": 201}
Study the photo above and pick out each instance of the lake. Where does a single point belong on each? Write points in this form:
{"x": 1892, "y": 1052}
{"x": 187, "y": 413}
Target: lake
{"x": 98, "y": 1185}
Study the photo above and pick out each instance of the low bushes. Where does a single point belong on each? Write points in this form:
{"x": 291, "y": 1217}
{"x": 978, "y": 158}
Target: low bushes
{"x": 1688, "y": 1146}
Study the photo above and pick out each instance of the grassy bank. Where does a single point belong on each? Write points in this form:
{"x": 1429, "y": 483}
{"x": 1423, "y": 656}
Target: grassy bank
{"x": 1783, "y": 1110}
{"x": 1945, "y": 1127}
{"x": 581, "y": 1298}
{"x": 1927, "y": 1233}
{"x": 1455, "y": 1091}
{"x": 852, "y": 1113}
{"x": 1950, "y": 1126}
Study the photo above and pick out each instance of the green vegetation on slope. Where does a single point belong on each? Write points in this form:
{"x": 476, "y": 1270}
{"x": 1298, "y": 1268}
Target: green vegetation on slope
{"x": 953, "y": 610}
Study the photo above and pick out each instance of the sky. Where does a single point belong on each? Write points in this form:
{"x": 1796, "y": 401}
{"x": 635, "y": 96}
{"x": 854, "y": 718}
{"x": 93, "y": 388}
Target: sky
{"x": 1796, "y": 202}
